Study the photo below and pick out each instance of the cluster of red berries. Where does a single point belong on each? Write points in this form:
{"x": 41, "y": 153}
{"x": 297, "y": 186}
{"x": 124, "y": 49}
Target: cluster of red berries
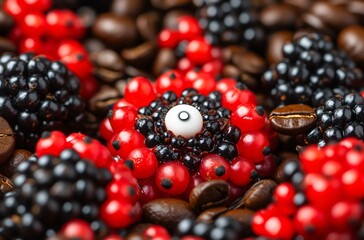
{"x": 53, "y": 33}
{"x": 156, "y": 178}
{"x": 121, "y": 208}
{"x": 194, "y": 49}
{"x": 324, "y": 198}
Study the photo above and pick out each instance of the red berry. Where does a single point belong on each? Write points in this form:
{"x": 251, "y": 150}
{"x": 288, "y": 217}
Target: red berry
{"x": 185, "y": 65}
{"x": 188, "y": 28}
{"x": 283, "y": 195}
{"x": 213, "y": 68}
{"x": 119, "y": 213}
{"x": 225, "y": 84}
{"x": 33, "y": 24}
{"x": 312, "y": 159}
{"x": 89, "y": 86}
{"x": 214, "y": 166}
{"x": 310, "y": 221}
{"x": 31, "y": 44}
{"x": 169, "y": 81}
{"x": 346, "y": 215}
{"x": 123, "y": 189}
{"x": 172, "y": 178}
{"x": 233, "y": 97}
{"x": 106, "y": 131}
{"x": 248, "y": 117}
{"x": 64, "y": 24}
{"x": 123, "y": 118}
{"x": 139, "y": 92}
{"x": 267, "y": 166}
{"x": 13, "y": 8}
{"x": 352, "y": 181}
{"x": 241, "y": 170}
{"x": 77, "y": 228}
{"x": 202, "y": 82}
{"x": 149, "y": 190}
{"x": 199, "y": 51}
{"x": 122, "y": 103}
{"x": 168, "y": 38}
{"x": 35, "y": 5}
{"x": 124, "y": 142}
{"x": 157, "y": 233}
{"x": 253, "y": 146}
{"x": 52, "y": 143}
{"x": 144, "y": 162}
{"x": 279, "y": 227}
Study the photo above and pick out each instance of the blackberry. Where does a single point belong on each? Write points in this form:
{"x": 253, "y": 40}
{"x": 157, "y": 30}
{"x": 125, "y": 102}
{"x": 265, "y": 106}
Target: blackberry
{"x": 217, "y": 134}
{"x": 339, "y": 117}
{"x": 48, "y": 192}
{"x": 311, "y": 72}
{"x": 36, "y": 95}
{"x": 230, "y": 22}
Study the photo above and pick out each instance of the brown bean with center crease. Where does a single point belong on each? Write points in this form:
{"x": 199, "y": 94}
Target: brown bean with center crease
{"x": 351, "y": 40}
{"x": 293, "y": 119}
{"x": 148, "y": 25}
{"x": 249, "y": 62}
{"x": 5, "y": 184}
{"x": 210, "y": 214}
{"x": 17, "y": 157}
{"x": 130, "y": 8}
{"x": 245, "y": 217}
{"x": 164, "y": 60}
{"x": 275, "y": 44}
{"x": 102, "y": 101}
{"x": 140, "y": 56}
{"x": 259, "y": 195}
{"x": 109, "y": 66}
{"x": 7, "y": 140}
{"x": 278, "y": 16}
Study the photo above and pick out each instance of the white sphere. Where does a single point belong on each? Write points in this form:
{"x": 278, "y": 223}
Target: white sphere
{"x": 184, "y": 120}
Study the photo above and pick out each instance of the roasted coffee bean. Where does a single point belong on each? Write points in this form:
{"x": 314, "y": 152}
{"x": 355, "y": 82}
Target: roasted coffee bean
{"x": 9, "y": 167}
{"x": 259, "y": 195}
{"x": 244, "y": 217}
{"x": 6, "y": 22}
{"x": 230, "y": 51}
{"x": 93, "y": 45}
{"x": 7, "y": 140}
{"x": 279, "y": 16}
{"x": 164, "y": 60}
{"x": 249, "y": 62}
{"x": 351, "y": 40}
{"x": 275, "y": 44}
{"x": 167, "y": 212}
{"x": 140, "y": 56}
{"x": 168, "y": 4}
{"x": 209, "y": 194}
{"x": 209, "y": 215}
{"x": 109, "y": 67}
{"x": 5, "y": 184}
{"x": 6, "y": 45}
{"x": 115, "y": 31}
{"x": 293, "y": 119}
{"x": 103, "y": 100}
{"x": 130, "y": 8}
{"x": 231, "y": 71}
{"x": 149, "y": 25}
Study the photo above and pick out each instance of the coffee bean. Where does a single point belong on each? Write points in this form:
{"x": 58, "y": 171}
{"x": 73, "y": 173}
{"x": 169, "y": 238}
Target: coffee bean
{"x": 103, "y": 100}
{"x": 168, "y": 4}
{"x": 351, "y": 40}
{"x": 149, "y": 25}
{"x": 244, "y": 217}
{"x": 17, "y": 157}
{"x": 278, "y": 16}
{"x": 292, "y": 119}
{"x": 6, "y": 22}
{"x": 129, "y": 8}
{"x": 209, "y": 194}
{"x": 6, "y": 46}
{"x": 230, "y": 71}
{"x": 140, "y": 56}
{"x": 209, "y": 215}
{"x": 232, "y": 50}
{"x": 7, "y": 140}
{"x": 167, "y": 212}
{"x": 164, "y": 60}
{"x": 5, "y": 184}
{"x": 170, "y": 20}
{"x": 249, "y": 62}
{"x": 109, "y": 66}
{"x": 259, "y": 195}
{"x": 115, "y": 31}
{"x": 356, "y": 7}
{"x": 275, "y": 44}
{"x": 93, "y": 45}
{"x": 135, "y": 72}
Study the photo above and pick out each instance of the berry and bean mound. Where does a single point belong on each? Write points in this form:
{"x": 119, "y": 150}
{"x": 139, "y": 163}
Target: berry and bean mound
{"x": 68, "y": 178}
{"x": 167, "y": 137}
{"x": 311, "y": 72}
{"x": 322, "y": 198}
{"x": 339, "y": 117}
{"x": 37, "y": 95}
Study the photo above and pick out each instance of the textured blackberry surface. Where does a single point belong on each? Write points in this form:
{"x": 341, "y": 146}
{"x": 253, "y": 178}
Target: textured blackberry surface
{"x": 38, "y": 95}
{"x": 229, "y": 22}
{"x": 337, "y": 118}
{"x": 49, "y": 191}
{"x": 311, "y": 72}
{"x": 217, "y": 136}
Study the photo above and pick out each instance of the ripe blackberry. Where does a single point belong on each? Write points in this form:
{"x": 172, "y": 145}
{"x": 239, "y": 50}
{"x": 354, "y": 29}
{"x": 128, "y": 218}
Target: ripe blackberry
{"x": 337, "y": 118}
{"x": 36, "y": 95}
{"x": 229, "y": 22}
{"x": 311, "y": 72}
{"x": 221, "y": 228}
{"x": 49, "y": 191}
{"x": 217, "y": 134}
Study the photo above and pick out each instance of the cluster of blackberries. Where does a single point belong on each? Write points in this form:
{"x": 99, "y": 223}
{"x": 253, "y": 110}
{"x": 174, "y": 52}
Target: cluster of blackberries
{"x": 229, "y": 22}
{"x": 36, "y": 95}
{"x": 217, "y": 136}
{"x": 48, "y": 192}
{"x": 311, "y": 72}
{"x": 337, "y": 118}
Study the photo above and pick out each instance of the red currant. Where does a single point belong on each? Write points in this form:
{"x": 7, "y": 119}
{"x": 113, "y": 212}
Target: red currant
{"x": 253, "y": 146}
{"x": 188, "y": 28}
{"x": 64, "y": 24}
{"x": 77, "y": 228}
{"x": 168, "y": 38}
{"x": 248, "y": 117}
{"x": 149, "y": 190}
{"x": 157, "y": 233}
{"x": 310, "y": 221}
{"x": 225, "y": 84}
{"x": 346, "y": 214}
{"x": 172, "y": 178}
{"x": 52, "y": 143}
{"x": 144, "y": 162}
{"x": 139, "y": 92}
{"x": 123, "y": 189}
{"x": 241, "y": 170}
{"x": 35, "y": 5}
{"x": 214, "y": 166}
{"x": 199, "y": 51}
{"x": 283, "y": 195}
{"x": 169, "y": 81}
{"x": 33, "y": 24}
{"x": 233, "y": 97}
{"x": 106, "y": 131}
{"x": 312, "y": 159}
{"x": 124, "y": 142}
{"x": 123, "y": 118}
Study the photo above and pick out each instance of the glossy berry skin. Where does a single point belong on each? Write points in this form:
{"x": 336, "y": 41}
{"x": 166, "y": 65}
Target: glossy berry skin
{"x": 214, "y": 166}
{"x": 64, "y": 24}
{"x": 123, "y": 189}
{"x": 171, "y": 80}
{"x": 123, "y": 118}
{"x": 283, "y": 196}
{"x": 168, "y": 38}
{"x": 105, "y": 131}
{"x": 139, "y": 92}
{"x": 35, "y": 5}
{"x": 248, "y": 117}
{"x": 204, "y": 83}
{"x": 241, "y": 170}
{"x": 77, "y": 228}
{"x": 253, "y": 146}
{"x": 149, "y": 190}
{"x": 124, "y": 142}
{"x": 33, "y": 24}
{"x": 310, "y": 221}
{"x": 13, "y": 8}
{"x": 346, "y": 215}
{"x": 199, "y": 51}
{"x": 52, "y": 143}
{"x": 233, "y": 97}
{"x": 119, "y": 213}
{"x": 172, "y": 178}
{"x": 156, "y": 232}
{"x": 144, "y": 162}
{"x": 188, "y": 28}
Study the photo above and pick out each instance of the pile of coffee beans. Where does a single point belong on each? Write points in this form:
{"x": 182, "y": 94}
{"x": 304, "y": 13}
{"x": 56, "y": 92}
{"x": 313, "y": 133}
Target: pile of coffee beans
{"x": 181, "y": 119}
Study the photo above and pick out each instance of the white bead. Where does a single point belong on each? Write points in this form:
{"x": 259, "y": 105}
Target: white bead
{"x": 184, "y": 120}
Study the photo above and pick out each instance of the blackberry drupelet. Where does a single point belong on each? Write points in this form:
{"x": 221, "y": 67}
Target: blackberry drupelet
{"x": 48, "y": 192}
{"x": 217, "y": 134}
{"x": 337, "y": 118}
{"x": 230, "y": 22}
{"x": 311, "y": 72}
{"x": 36, "y": 95}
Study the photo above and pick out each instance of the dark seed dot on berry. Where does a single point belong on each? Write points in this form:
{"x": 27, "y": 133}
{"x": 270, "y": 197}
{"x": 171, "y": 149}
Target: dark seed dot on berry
{"x": 116, "y": 145}
{"x": 109, "y": 114}
{"x": 220, "y": 171}
{"x": 259, "y": 110}
{"x": 129, "y": 164}
{"x": 309, "y": 229}
{"x": 266, "y": 150}
{"x": 131, "y": 191}
{"x": 166, "y": 183}
{"x": 254, "y": 175}
{"x": 87, "y": 139}
{"x": 46, "y": 134}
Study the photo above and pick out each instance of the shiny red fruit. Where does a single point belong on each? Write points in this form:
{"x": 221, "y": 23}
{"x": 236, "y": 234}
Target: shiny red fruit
{"x": 139, "y": 92}
{"x": 172, "y": 178}
{"x": 77, "y": 228}
{"x": 143, "y": 162}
